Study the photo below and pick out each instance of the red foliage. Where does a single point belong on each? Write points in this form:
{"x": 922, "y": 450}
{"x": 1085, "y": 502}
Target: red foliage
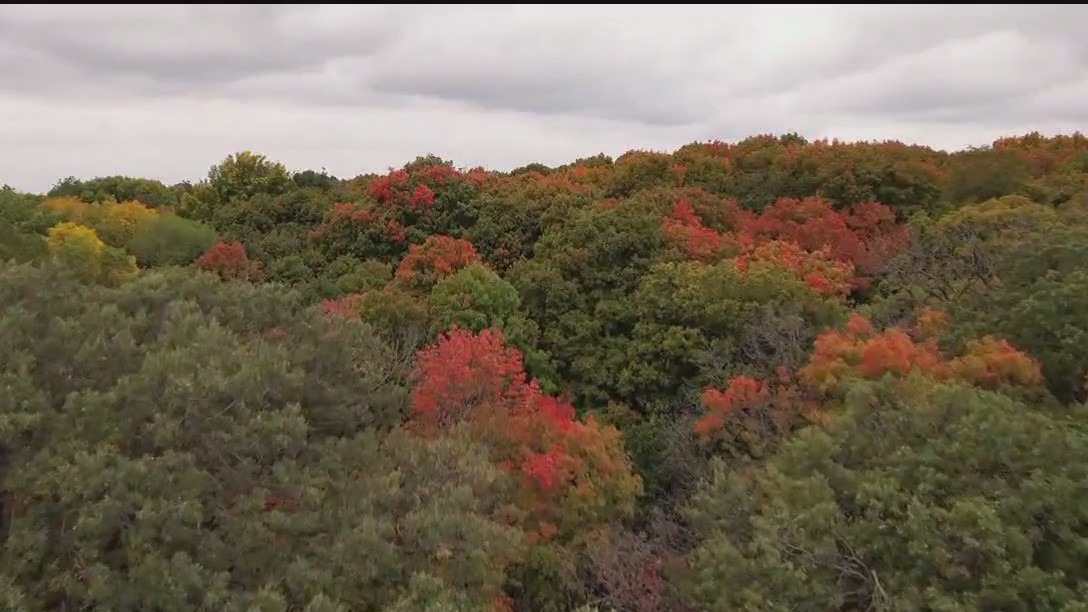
{"x": 545, "y": 470}
{"x": 384, "y": 188}
{"x": 698, "y": 242}
{"x": 346, "y": 306}
{"x": 742, "y": 392}
{"x": 463, "y": 374}
{"x": 863, "y": 236}
{"x": 347, "y": 226}
{"x": 570, "y": 471}
{"x": 817, "y": 268}
{"x": 437, "y": 258}
{"x": 421, "y": 198}
{"x": 825, "y": 248}
{"x": 229, "y": 261}
{"x": 761, "y": 407}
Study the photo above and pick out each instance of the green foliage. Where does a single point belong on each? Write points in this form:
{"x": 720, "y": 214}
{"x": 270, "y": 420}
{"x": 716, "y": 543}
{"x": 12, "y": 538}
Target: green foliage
{"x": 364, "y": 276}
{"x": 1038, "y": 305}
{"x": 181, "y": 443}
{"x": 170, "y": 240}
{"x": 118, "y": 189}
{"x": 476, "y": 298}
{"x": 24, "y": 213}
{"x": 698, "y": 324}
{"x": 577, "y": 288}
{"x": 919, "y": 497}
{"x": 986, "y": 173}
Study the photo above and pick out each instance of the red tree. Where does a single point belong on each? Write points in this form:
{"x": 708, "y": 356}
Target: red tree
{"x": 864, "y": 236}
{"x": 435, "y": 259}
{"x": 229, "y": 261}
{"x": 574, "y": 475}
{"x": 686, "y": 231}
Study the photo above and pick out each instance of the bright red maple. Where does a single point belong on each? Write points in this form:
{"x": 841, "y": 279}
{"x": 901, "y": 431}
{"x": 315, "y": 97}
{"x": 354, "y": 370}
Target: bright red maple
{"x": 229, "y": 261}
{"x": 573, "y": 474}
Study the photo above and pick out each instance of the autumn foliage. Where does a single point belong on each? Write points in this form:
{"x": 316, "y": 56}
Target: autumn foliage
{"x": 817, "y": 268}
{"x": 863, "y": 236}
{"x": 697, "y": 242}
{"x": 833, "y": 251}
{"x": 861, "y": 351}
{"x": 573, "y": 473}
{"x": 435, "y": 259}
{"x": 229, "y": 261}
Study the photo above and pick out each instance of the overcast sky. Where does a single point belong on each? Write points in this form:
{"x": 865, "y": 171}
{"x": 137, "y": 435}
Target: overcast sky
{"x": 166, "y": 91}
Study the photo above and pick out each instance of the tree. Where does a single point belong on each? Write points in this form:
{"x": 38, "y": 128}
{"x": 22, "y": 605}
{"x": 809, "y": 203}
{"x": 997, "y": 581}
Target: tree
{"x": 117, "y": 222}
{"x": 1035, "y": 304}
{"x": 920, "y": 496}
{"x": 229, "y": 261}
{"x": 170, "y": 240}
{"x": 438, "y": 257}
{"x": 78, "y": 248}
{"x": 573, "y": 474}
{"x": 475, "y": 298}
{"x": 220, "y": 444}
{"x": 118, "y": 189}
{"x": 699, "y": 324}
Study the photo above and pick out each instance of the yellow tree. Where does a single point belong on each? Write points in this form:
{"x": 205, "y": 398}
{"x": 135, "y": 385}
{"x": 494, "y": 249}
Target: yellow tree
{"x": 116, "y": 222}
{"x": 78, "y": 248}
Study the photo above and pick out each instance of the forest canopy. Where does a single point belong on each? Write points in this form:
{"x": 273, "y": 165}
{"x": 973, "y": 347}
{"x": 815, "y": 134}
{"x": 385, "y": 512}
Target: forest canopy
{"x": 765, "y": 375}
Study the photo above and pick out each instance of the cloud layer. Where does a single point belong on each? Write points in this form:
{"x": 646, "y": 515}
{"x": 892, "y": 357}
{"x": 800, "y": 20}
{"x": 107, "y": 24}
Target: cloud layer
{"x": 166, "y": 91}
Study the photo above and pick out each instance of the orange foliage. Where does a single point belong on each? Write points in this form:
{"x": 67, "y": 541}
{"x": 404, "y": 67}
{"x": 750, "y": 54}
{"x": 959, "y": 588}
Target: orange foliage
{"x": 73, "y": 208}
{"x": 860, "y": 351}
{"x": 437, "y": 258}
{"x": 742, "y": 392}
{"x": 817, "y": 268}
{"x": 991, "y": 363}
{"x": 754, "y": 404}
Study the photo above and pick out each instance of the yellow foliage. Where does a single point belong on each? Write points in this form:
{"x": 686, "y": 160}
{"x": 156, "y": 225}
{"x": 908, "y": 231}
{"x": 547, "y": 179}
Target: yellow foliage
{"x": 78, "y": 248}
{"x": 73, "y": 208}
{"x": 116, "y": 222}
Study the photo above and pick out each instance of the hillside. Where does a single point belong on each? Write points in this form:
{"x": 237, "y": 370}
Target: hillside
{"x": 772, "y": 374}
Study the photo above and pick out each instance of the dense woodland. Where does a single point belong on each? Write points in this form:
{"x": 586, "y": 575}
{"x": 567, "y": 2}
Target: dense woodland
{"x": 771, "y": 375}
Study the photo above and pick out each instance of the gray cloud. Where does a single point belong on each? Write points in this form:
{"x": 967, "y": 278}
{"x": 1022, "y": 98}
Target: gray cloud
{"x": 166, "y": 90}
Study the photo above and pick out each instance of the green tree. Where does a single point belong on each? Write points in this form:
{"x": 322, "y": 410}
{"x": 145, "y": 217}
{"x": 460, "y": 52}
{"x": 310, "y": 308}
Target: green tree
{"x": 476, "y": 298}
{"x": 183, "y": 443}
{"x": 918, "y": 497}
{"x": 170, "y": 240}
